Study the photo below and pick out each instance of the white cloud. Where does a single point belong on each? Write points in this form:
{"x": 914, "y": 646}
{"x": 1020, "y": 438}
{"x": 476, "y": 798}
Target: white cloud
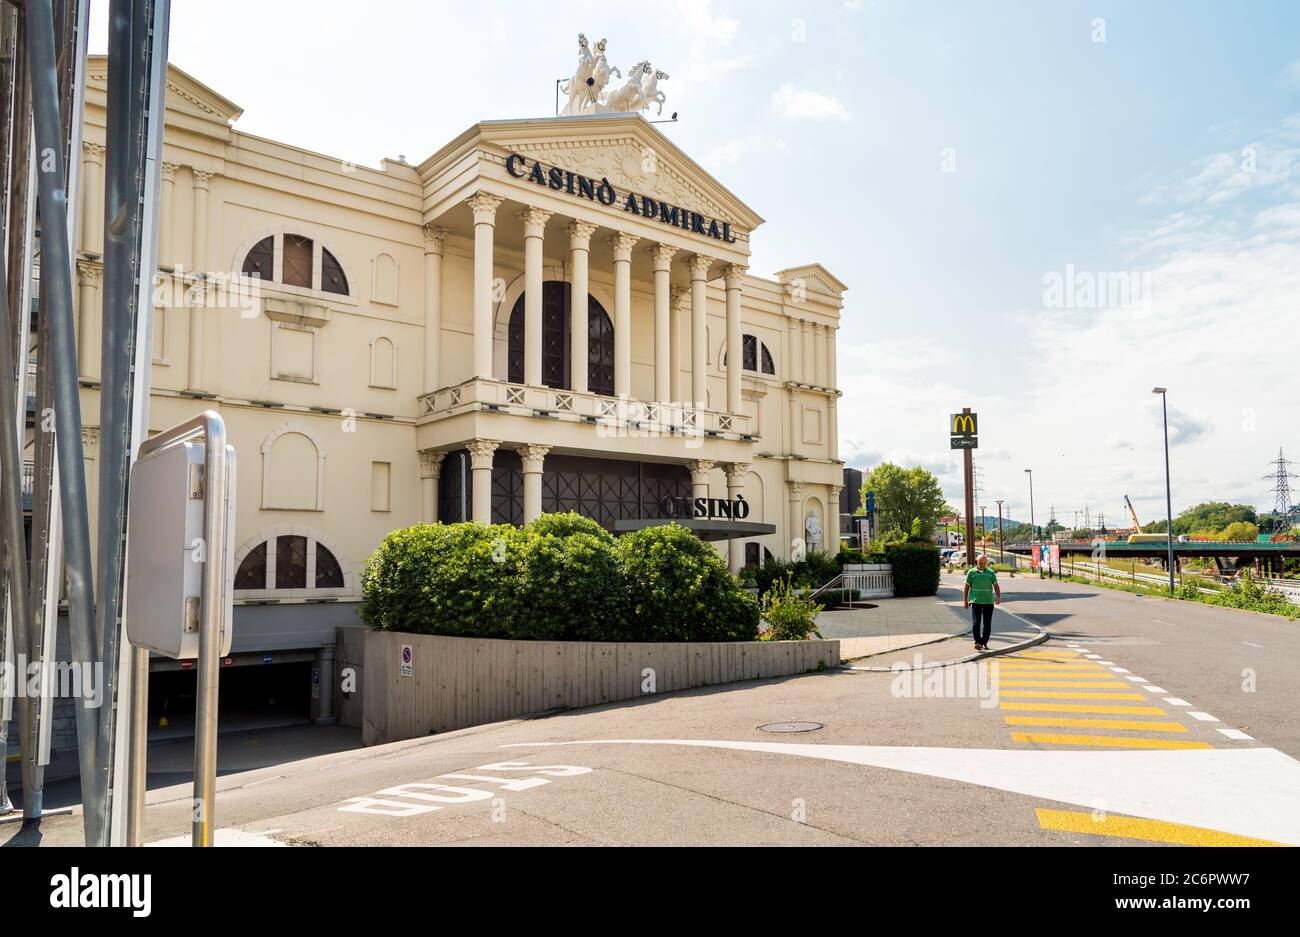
{"x": 796, "y": 104}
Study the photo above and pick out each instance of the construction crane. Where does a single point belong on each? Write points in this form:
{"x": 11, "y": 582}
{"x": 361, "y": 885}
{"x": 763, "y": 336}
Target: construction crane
{"x": 1137, "y": 524}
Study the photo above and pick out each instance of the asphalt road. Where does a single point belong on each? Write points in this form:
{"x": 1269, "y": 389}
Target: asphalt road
{"x": 1126, "y": 727}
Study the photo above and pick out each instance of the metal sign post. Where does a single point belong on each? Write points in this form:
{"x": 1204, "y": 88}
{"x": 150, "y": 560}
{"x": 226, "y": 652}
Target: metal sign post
{"x": 215, "y": 599}
{"x": 963, "y": 430}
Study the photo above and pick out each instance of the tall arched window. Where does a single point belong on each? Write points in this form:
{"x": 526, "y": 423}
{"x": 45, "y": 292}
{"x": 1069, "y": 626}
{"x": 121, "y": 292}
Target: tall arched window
{"x": 555, "y": 342}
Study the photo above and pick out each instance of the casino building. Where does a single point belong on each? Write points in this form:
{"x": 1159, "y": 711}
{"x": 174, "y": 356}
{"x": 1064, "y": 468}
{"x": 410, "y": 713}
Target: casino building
{"x": 543, "y": 315}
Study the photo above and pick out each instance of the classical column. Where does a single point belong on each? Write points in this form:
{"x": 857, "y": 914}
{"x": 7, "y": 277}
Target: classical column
{"x": 532, "y": 458}
{"x": 435, "y": 239}
{"x": 661, "y": 257}
{"x": 484, "y": 207}
{"x": 736, "y": 472}
{"x": 534, "y": 222}
{"x": 198, "y": 264}
{"x": 580, "y": 233}
{"x": 735, "y": 354}
{"x": 430, "y": 470}
{"x": 819, "y": 354}
{"x": 700, "y": 470}
{"x": 166, "y": 255}
{"x": 677, "y": 305}
{"x": 806, "y": 349}
{"x": 832, "y": 374}
{"x": 92, "y": 215}
{"x": 699, "y": 330}
{"x": 796, "y": 514}
{"x": 481, "y": 452}
{"x": 88, "y": 352}
{"x": 794, "y": 355}
{"x": 832, "y": 427}
{"x": 621, "y": 245}
{"x": 832, "y": 545}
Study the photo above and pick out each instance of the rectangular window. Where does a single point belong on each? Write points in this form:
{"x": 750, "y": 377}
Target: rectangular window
{"x": 381, "y": 486}
{"x": 297, "y": 261}
{"x": 290, "y": 562}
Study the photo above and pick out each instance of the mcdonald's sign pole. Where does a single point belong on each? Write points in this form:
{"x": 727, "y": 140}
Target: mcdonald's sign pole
{"x": 963, "y": 431}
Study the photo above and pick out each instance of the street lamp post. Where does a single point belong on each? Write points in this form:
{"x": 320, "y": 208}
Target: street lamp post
{"x": 984, "y": 526}
{"x": 1169, "y": 500}
{"x": 1033, "y": 529}
{"x": 1001, "y": 555}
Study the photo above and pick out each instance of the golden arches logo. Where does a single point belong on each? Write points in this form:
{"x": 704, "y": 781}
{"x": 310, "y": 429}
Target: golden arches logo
{"x": 963, "y": 424}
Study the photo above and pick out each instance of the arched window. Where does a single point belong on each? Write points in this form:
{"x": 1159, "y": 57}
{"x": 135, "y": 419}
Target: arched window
{"x": 289, "y": 561}
{"x": 383, "y": 363}
{"x": 753, "y": 355}
{"x": 298, "y": 258}
{"x": 555, "y": 341}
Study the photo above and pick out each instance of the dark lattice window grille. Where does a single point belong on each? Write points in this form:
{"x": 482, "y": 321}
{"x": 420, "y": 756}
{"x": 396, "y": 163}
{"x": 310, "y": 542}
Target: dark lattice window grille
{"x": 252, "y": 570}
{"x": 260, "y": 260}
{"x": 556, "y": 367}
{"x": 332, "y": 279}
{"x": 291, "y": 562}
{"x": 769, "y": 367}
{"x": 329, "y": 575}
{"x": 749, "y": 356}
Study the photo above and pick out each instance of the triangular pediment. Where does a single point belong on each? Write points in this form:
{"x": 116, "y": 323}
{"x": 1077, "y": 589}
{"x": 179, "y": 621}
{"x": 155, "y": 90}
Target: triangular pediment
{"x": 814, "y": 277}
{"x": 184, "y": 92}
{"x": 623, "y": 148}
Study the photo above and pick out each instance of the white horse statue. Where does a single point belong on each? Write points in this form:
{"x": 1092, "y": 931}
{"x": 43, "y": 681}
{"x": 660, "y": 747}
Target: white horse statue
{"x": 577, "y": 89}
{"x": 600, "y": 72}
{"x": 650, "y": 89}
{"x": 628, "y": 98}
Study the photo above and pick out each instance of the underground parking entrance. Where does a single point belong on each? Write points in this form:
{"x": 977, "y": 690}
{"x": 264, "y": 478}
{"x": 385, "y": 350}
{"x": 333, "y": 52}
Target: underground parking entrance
{"x": 258, "y": 691}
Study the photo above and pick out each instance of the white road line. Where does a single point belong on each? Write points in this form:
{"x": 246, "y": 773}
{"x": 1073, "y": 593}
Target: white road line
{"x": 1203, "y": 717}
{"x": 1175, "y": 701}
{"x": 1162, "y": 622}
{"x": 1137, "y": 679}
{"x": 1093, "y": 656}
{"x": 1249, "y": 644}
{"x": 1236, "y": 734}
{"x": 1120, "y": 670}
{"x": 1106, "y": 663}
{"x": 1158, "y": 690}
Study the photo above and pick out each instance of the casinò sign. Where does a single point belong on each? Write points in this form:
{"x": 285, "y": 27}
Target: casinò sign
{"x": 603, "y": 191}
{"x": 737, "y": 509}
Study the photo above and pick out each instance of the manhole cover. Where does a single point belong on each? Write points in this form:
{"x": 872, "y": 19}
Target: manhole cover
{"x": 792, "y": 727}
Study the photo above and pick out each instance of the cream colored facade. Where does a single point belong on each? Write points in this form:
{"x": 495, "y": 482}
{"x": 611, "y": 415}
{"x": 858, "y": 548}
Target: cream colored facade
{"x": 341, "y": 405}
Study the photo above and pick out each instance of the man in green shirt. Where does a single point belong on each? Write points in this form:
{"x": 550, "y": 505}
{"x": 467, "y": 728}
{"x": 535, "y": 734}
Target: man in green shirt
{"x": 980, "y": 594}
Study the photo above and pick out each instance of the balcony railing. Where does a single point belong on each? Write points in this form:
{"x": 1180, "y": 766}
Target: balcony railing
{"x": 618, "y": 413}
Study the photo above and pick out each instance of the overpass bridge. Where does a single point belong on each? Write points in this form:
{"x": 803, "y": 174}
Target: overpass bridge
{"x": 1224, "y": 552}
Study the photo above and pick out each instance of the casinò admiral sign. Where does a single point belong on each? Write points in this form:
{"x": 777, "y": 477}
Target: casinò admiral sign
{"x": 737, "y": 509}
{"x": 603, "y": 191}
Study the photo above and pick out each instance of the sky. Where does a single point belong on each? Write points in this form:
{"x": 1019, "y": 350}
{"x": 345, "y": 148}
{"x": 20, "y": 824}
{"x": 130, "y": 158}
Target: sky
{"x": 970, "y": 169}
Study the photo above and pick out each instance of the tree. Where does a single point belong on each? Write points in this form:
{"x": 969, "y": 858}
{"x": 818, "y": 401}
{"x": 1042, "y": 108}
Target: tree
{"x": 1238, "y": 531}
{"x": 906, "y": 495}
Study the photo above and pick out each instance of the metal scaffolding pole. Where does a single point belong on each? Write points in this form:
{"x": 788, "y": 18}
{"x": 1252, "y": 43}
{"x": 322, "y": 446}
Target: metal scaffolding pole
{"x": 56, "y": 289}
{"x": 137, "y": 61}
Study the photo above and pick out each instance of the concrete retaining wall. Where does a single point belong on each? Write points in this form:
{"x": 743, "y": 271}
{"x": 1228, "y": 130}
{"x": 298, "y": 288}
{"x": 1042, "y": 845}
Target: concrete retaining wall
{"x": 460, "y": 682}
{"x": 349, "y": 662}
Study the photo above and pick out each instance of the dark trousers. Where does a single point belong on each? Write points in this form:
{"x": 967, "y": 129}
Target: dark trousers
{"x": 981, "y": 620}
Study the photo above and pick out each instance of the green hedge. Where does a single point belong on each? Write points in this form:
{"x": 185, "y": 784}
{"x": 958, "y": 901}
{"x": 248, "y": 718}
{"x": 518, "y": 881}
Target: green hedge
{"x": 563, "y": 577}
{"x": 916, "y": 568}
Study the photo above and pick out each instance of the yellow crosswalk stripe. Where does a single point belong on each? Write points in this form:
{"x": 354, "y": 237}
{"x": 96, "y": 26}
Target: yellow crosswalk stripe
{"x": 1158, "y": 831}
{"x": 1062, "y": 674}
{"x": 1102, "y": 741}
{"x": 1101, "y": 708}
{"x": 1045, "y": 664}
{"x": 1066, "y": 684}
{"x": 1059, "y": 722}
{"x": 1050, "y": 694}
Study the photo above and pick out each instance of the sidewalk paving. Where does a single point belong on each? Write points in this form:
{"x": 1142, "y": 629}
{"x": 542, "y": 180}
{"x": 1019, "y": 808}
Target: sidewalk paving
{"x": 931, "y": 631}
